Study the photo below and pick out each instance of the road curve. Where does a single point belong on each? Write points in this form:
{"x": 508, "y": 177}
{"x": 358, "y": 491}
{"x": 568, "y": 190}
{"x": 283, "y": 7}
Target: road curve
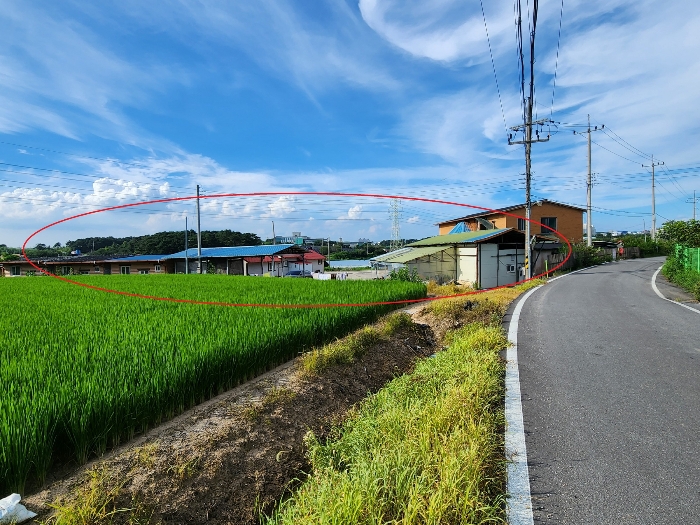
{"x": 610, "y": 384}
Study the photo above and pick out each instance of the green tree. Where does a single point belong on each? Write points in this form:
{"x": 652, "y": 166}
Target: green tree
{"x": 681, "y": 232}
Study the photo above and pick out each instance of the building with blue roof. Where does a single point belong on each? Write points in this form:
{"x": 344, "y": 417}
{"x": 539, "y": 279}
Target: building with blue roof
{"x": 273, "y": 259}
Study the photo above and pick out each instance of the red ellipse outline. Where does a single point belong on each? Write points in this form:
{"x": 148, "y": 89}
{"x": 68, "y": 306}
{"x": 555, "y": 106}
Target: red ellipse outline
{"x": 280, "y": 193}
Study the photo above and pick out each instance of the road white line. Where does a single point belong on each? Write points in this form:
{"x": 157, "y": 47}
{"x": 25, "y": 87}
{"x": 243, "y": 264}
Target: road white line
{"x": 571, "y": 273}
{"x": 519, "y": 505}
{"x": 519, "y": 508}
{"x": 654, "y": 287}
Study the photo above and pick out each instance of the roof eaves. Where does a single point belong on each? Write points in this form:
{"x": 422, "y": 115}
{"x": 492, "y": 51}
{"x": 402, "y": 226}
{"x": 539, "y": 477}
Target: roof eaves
{"x": 507, "y": 209}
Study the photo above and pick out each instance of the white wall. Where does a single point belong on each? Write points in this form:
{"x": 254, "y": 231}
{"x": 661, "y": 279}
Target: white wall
{"x": 467, "y": 264}
{"x": 309, "y": 266}
{"x": 488, "y": 265}
{"x": 508, "y": 258}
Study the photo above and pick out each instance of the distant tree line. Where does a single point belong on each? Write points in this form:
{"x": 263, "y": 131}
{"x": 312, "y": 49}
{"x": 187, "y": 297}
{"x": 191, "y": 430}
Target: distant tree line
{"x": 162, "y": 243}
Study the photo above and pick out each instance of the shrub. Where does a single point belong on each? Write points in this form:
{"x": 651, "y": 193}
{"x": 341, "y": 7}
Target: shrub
{"x": 403, "y": 274}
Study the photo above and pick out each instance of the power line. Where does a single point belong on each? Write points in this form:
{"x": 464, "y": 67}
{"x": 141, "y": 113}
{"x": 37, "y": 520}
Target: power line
{"x": 631, "y": 147}
{"x": 493, "y": 64}
{"x": 673, "y": 179}
{"x": 74, "y": 154}
{"x": 556, "y": 64}
{"x": 611, "y": 151}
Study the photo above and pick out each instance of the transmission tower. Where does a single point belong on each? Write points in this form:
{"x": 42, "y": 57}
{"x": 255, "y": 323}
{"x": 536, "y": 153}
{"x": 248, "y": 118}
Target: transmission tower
{"x": 395, "y": 212}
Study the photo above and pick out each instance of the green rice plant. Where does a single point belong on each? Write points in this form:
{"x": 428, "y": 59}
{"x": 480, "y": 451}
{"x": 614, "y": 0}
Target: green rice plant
{"x": 82, "y": 370}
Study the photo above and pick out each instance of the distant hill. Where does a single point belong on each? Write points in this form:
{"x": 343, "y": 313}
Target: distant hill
{"x": 162, "y": 243}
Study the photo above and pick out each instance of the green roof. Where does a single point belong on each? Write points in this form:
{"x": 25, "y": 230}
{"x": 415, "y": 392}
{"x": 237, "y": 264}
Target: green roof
{"x": 461, "y": 238}
{"x": 413, "y": 254}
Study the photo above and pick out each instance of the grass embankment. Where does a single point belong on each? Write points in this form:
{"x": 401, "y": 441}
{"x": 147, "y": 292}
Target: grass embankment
{"x": 428, "y": 448}
{"x": 677, "y": 273}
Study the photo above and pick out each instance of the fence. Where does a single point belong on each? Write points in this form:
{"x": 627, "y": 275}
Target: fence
{"x": 689, "y": 257}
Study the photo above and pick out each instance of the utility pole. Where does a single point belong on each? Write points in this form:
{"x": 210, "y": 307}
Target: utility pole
{"x": 526, "y": 126}
{"x": 653, "y": 197}
{"x": 589, "y": 185}
{"x": 187, "y": 261}
{"x": 694, "y": 202}
{"x": 199, "y": 235}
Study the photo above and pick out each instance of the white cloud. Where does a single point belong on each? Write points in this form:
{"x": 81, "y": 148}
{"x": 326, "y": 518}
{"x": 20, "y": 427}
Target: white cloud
{"x": 62, "y": 77}
{"x": 355, "y": 212}
{"x": 442, "y": 30}
{"x": 413, "y": 220}
{"x": 282, "y": 207}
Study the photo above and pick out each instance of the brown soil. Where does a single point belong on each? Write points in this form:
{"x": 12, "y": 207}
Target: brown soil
{"x": 237, "y": 455}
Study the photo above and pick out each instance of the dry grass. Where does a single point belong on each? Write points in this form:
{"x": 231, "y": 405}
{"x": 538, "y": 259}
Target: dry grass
{"x": 440, "y": 290}
{"x": 96, "y": 502}
{"x": 483, "y": 307}
{"x": 349, "y": 348}
{"x": 146, "y": 455}
{"x": 185, "y": 465}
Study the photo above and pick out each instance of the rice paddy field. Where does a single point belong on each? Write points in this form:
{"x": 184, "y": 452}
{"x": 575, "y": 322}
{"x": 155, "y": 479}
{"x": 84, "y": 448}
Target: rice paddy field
{"x": 82, "y": 370}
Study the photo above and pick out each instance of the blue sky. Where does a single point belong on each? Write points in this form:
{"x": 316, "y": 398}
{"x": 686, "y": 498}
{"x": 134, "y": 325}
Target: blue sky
{"x": 111, "y": 103}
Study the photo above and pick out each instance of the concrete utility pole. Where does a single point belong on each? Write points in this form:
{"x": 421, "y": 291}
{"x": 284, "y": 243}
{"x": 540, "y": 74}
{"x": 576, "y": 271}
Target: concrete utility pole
{"x": 694, "y": 202}
{"x": 199, "y": 235}
{"x": 526, "y": 126}
{"x": 589, "y": 221}
{"x": 528, "y": 176}
{"x": 653, "y": 197}
{"x": 187, "y": 261}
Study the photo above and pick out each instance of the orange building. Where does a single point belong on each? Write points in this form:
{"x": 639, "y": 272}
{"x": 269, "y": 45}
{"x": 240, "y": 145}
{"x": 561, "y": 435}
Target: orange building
{"x": 566, "y": 219}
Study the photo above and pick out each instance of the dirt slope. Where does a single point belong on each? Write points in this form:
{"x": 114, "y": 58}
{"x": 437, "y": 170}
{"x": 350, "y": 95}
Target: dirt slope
{"x": 229, "y": 459}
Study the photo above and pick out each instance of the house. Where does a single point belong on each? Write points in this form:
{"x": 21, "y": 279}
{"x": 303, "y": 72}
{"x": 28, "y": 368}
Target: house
{"x": 64, "y": 265}
{"x": 565, "y": 218}
{"x": 16, "y": 268}
{"x": 487, "y": 258}
{"x": 137, "y": 264}
{"x": 275, "y": 260}
{"x": 272, "y": 259}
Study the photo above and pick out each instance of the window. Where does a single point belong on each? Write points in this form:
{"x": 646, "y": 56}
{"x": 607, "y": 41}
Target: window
{"x": 549, "y": 221}
{"x": 126, "y": 270}
{"x": 285, "y": 264}
{"x": 269, "y": 267}
{"x": 143, "y": 272}
{"x": 521, "y": 225}
{"x": 84, "y": 272}
{"x": 510, "y": 268}
{"x": 14, "y": 270}
{"x": 97, "y": 269}
{"x": 157, "y": 267}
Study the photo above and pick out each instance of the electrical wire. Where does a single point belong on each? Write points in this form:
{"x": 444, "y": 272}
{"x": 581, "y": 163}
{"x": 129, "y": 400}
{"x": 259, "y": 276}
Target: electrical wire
{"x": 556, "y": 64}
{"x": 493, "y": 64}
{"x": 75, "y": 154}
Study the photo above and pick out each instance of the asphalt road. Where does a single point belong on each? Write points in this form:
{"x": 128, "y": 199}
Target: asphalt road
{"x": 610, "y": 382}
